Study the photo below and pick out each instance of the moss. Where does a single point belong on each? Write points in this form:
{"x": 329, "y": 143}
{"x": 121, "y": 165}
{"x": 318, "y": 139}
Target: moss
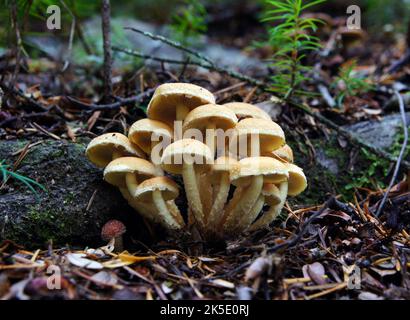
{"x": 368, "y": 171}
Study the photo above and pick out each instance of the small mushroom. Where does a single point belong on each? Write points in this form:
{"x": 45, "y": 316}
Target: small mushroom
{"x": 102, "y": 149}
{"x": 296, "y": 184}
{"x": 261, "y": 136}
{"x": 143, "y": 131}
{"x": 252, "y": 174}
{"x": 188, "y": 157}
{"x": 220, "y": 178}
{"x": 245, "y": 110}
{"x": 114, "y": 229}
{"x": 158, "y": 190}
{"x": 129, "y": 172}
{"x": 173, "y": 101}
{"x": 297, "y": 179}
{"x": 284, "y": 154}
{"x": 207, "y": 119}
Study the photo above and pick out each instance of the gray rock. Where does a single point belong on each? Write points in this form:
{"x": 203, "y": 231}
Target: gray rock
{"x": 274, "y": 109}
{"x": 380, "y": 134}
{"x": 326, "y": 162}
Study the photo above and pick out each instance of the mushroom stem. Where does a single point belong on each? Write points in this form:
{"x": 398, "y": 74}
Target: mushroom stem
{"x": 205, "y": 191}
{"x": 237, "y": 194}
{"x": 131, "y": 182}
{"x": 192, "y": 192}
{"x": 216, "y": 212}
{"x": 118, "y": 244}
{"x": 247, "y": 220}
{"x": 181, "y": 112}
{"x": 173, "y": 208}
{"x": 144, "y": 209}
{"x": 166, "y": 216}
{"x": 245, "y": 204}
{"x": 273, "y": 211}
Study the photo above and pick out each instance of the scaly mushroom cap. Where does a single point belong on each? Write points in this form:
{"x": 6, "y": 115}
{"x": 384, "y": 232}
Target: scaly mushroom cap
{"x": 271, "y": 194}
{"x": 217, "y": 115}
{"x": 297, "y": 179}
{"x": 167, "y": 96}
{"x": 272, "y": 170}
{"x": 167, "y": 186}
{"x": 117, "y": 169}
{"x": 221, "y": 165}
{"x": 186, "y": 150}
{"x": 245, "y": 110}
{"x": 112, "y": 229}
{"x": 142, "y": 131}
{"x": 270, "y": 134}
{"x": 100, "y": 150}
{"x": 284, "y": 154}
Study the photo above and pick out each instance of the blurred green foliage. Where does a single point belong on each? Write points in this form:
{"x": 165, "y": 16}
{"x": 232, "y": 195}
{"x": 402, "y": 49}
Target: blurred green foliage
{"x": 349, "y": 84}
{"x": 378, "y": 13}
{"x": 189, "y": 22}
{"x": 290, "y": 37}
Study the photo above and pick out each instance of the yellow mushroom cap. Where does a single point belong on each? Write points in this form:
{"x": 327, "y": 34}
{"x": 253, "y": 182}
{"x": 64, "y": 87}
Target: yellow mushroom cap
{"x": 270, "y": 134}
{"x": 142, "y": 131}
{"x": 221, "y": 165}
{"x": 297, "y": 179}
{"x": 272, "y": 170}
{"x": 167, "y": 96}
{"x": 167, "y": 186}
{"x": 284, "y": 154}
{"x": 100, "y": 150}
{"x": 117, "y": 169}
{"x": 271, "y": 194}
{"x": 202, "y": 116}
{"x": 244, "y": 110}
{"x": 186, "y": 150}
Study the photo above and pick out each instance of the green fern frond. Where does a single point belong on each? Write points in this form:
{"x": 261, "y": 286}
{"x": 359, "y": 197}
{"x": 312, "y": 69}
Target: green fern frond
{"x": 291, "y": 39}
{"x": 190, "y": 22}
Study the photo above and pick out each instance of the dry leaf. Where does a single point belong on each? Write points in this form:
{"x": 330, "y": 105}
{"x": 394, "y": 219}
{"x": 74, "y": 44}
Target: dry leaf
{"x": 314, "y": 271}
{"x": 223, "y": 283}
{"x": 79, "y": 260}
{"x": 257, "y": 268}
{"x": 106, "y": 278}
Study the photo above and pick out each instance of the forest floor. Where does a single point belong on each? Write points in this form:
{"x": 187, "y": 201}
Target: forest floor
{"x": 339, "y": 249}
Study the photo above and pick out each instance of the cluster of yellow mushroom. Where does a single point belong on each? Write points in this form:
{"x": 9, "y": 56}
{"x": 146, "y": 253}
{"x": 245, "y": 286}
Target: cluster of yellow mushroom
{"x": 180, "y": 137}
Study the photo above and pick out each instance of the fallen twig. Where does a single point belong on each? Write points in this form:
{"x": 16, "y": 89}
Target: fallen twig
{"x": 15, "y": 25}
{"x": 114, "y": 105}
{"x": 171, "y": 43}
{"x": 401, "y": 155}
{"x": 71, "y": 37}
{"x": 294, "y": 240}
{"x": 21, "y": 94}
{"x": 105, "y": 17}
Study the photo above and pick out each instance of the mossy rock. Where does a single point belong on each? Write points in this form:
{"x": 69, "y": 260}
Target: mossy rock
{"x": 61, "y": 213}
